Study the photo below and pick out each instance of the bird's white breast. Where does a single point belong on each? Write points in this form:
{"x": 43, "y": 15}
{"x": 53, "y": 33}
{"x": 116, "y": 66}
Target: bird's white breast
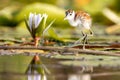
{"x": 75, "y": 23}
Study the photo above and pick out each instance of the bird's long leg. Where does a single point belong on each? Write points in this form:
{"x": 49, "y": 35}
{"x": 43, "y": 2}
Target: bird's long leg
{"x": 85, "y": 40}
{"x": 83, "y": 34}
{"x": 91, "y": 32}
{"x": 80, "y": 39}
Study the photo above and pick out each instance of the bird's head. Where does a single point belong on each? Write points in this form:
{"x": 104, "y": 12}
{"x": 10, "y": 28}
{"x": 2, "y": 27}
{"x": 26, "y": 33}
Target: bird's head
{"x": 70, "y": 14}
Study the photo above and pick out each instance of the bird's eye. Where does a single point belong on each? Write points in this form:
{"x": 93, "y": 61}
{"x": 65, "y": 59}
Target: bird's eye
{"x": 70, "y": 14}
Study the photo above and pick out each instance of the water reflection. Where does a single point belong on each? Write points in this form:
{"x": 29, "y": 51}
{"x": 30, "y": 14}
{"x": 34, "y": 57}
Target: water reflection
{"x": 20, "y": 67}
{"x": 36, "y": 77}
{"x": 79, "y": 77}
{"x": 36, "y": 70}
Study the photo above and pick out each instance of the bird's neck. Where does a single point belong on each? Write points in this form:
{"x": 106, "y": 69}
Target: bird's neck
{"x": 73, "y": 22}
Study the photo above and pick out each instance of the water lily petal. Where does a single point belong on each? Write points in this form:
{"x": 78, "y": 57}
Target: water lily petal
{"x": 38, "y": 19}
{"x": 31, "y": 15}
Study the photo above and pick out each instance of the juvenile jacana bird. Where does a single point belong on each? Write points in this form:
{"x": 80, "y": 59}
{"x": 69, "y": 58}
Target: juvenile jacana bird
{"x": 81, "y": 20}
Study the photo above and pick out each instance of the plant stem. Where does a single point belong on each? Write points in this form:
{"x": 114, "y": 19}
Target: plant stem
{"x": 36, "y": 40}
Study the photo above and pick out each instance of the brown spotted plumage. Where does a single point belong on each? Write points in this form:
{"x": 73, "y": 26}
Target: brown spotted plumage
{"x": 82, "y": 14}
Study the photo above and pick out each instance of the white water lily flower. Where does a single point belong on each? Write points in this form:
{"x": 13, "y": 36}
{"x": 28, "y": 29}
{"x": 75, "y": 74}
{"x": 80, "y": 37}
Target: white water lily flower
{"x": 30, "y": 20}
{"x": 34, "y": 20}
{"x": 38, "y": 19}
{"x": 37, "y": 25}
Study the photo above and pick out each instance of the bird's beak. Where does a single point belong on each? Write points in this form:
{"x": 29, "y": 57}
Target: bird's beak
{"x": 65, "y": 18}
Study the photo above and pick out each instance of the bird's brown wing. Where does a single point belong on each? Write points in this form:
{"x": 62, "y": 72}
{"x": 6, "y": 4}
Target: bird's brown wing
{"x": 82, "y": 15}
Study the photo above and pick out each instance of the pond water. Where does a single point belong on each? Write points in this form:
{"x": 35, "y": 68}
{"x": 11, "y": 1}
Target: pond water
{"x": 17, "y": 67}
